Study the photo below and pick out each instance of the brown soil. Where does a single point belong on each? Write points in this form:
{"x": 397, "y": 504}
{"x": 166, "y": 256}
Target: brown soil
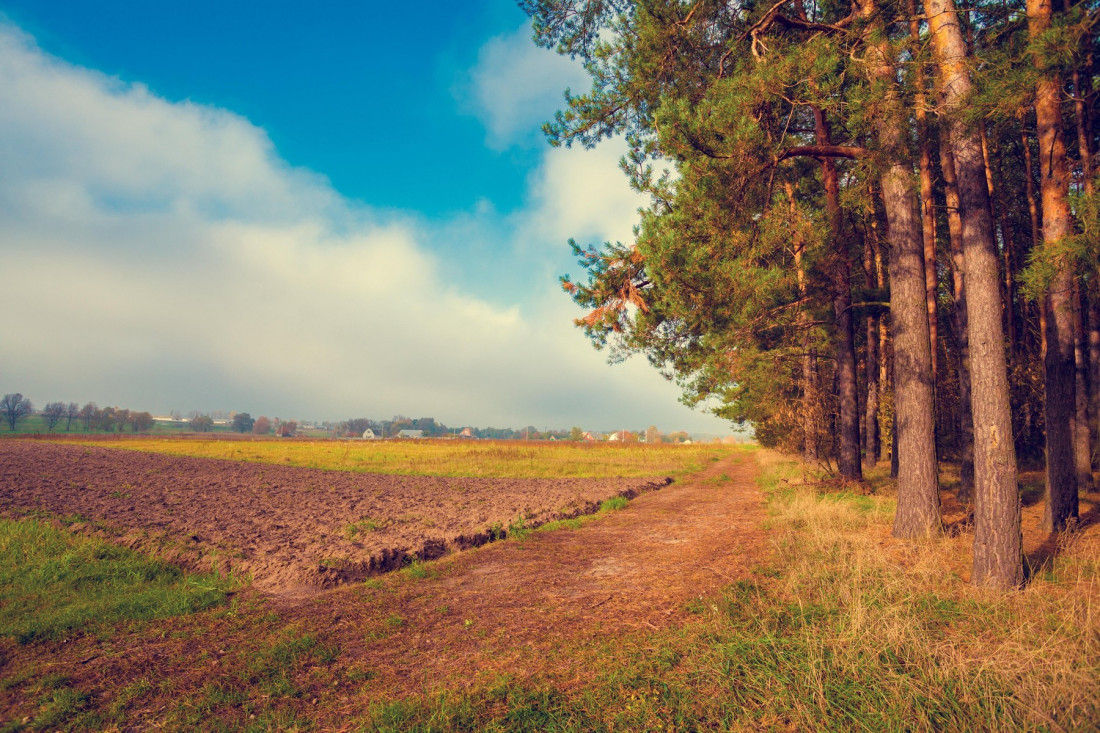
{"x": 294, "y": 529}
{"x": 540, "y": 605}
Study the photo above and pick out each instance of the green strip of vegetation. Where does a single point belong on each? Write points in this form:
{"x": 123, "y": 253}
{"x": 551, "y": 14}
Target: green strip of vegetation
{"x": 54, "y": 583}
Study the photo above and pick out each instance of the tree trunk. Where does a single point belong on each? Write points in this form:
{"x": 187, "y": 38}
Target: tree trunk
{"x": 809, "y": 361}
{"x": 848, "y": 460}
{"x": 918, "y": 512}
{"x": 1094, "y": 361}
{"x": 1033, "y": 210}
{"x": 928, "y": 212}
{"x": 962, "y": 330}
{"x": 870, "y": 418}
{"x": 1082, "y": 435}
{"x": 1058, "y": 365}
{"x": 997, "y": 539}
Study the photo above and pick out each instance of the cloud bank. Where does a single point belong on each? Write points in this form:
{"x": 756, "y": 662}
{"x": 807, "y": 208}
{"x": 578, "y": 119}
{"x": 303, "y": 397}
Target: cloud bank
{"x": 160, "y": 255}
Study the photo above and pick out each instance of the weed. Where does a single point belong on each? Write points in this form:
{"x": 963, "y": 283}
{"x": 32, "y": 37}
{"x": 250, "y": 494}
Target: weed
{"x": 615, "y": 503}
{"x": 363, "y": 526}
{"x": 417, "y": 570}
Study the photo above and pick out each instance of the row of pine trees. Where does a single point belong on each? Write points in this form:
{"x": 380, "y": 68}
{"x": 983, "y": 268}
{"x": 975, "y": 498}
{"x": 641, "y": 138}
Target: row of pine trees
{"x": 873, "y": 231}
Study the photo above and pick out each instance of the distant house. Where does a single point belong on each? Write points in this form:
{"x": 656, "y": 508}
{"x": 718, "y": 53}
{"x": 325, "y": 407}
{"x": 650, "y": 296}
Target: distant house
{"x": 411, "y": 434}
{"x": 589, "y": 437}
{"x": 466, "y": 433}
{"x": 369, "y": 434}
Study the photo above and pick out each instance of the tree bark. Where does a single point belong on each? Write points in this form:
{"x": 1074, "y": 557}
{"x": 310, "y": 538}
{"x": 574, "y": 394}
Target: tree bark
{"x": 1094, "y": 363}
{"x": 848, "y": 443}
{"x": 870, "y": 418}
{"x": 1082, "y": 431}
{"x": 918, "y": 494}
{"x": 962, "y": 329}
{"x": 928, "y": 213}
{"x": 997, "y": 539}
{"x": 809, "y": 361}
{"x": 1036, "y": 231}
{"x": 1058, "y": 364}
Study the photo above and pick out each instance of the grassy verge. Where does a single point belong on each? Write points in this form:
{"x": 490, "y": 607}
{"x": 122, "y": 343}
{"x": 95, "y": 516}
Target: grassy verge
{"x": 452, "y": 458}
{"x": 54, "y": 583}
{"x": 847, "y": 630}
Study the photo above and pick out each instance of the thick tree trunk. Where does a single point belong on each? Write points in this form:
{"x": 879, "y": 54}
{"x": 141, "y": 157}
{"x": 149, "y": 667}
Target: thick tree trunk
{"x": 997, "y": 539}
{"x": 962, "y": 330}
{"x": 1082, "y": 431}
{"x": 840, "y": 271}
{"x": 1058, "y": 365}
{"x": 918, "y": 512}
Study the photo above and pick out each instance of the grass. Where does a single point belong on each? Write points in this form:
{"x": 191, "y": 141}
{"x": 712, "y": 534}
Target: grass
{"x": 843, "y": 628}
{"x": 504, "y": 459}
{"x": 847, "y": 629}
{"x": 54, "y": 584}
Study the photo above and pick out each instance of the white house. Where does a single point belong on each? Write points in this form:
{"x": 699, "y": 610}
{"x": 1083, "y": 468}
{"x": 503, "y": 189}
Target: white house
{"x": 369, "y": 434}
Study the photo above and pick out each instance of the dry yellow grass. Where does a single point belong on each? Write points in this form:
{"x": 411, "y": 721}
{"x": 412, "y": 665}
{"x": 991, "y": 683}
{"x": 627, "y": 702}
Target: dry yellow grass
{"x": 1030, "y": 658}
{"x": 494, "y": 459}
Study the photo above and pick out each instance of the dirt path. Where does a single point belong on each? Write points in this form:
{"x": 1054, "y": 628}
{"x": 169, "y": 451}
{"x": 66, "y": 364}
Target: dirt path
{"x": 514, "y": 606}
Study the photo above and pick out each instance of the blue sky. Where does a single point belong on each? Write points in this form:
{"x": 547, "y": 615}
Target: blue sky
{"x": 315, "y": 213}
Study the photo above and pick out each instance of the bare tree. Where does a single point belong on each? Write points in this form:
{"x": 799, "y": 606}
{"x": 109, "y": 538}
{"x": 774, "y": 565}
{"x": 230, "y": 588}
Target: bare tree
{"x": 14, "y": 407}
{"x": 87, "y": 414}
{"x": 72, "y": 411}
{"x": 53, "y": 412}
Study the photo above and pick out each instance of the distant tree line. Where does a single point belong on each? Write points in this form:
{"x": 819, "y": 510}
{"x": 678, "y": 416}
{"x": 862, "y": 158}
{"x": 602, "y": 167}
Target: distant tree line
{"x": 15, "y": 407}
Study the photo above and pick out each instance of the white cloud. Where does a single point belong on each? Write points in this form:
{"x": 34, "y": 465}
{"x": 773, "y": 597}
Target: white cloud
{"x": 583, "y": 193}
{"x": 516, "y": 86}
{"x": 161, "y": 255}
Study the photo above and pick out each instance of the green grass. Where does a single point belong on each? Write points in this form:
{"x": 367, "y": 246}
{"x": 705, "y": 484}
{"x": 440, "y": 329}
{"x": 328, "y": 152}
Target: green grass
{"x": 512, "y": 459}
{"x": 53, "y": 583}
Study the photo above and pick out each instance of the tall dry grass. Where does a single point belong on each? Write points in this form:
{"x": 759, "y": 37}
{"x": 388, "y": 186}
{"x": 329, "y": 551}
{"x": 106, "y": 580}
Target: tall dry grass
{"x": 905, "y": 621}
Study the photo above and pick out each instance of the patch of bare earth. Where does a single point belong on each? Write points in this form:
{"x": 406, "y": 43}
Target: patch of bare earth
{"x": 529, "y": 607}
{"x": 294, "y": 529}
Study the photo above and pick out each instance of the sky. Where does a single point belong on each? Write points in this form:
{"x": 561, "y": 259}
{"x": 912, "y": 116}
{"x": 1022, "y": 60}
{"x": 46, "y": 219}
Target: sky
{"x": 314, "y": 211}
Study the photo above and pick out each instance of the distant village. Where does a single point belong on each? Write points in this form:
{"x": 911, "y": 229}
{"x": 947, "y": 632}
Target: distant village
{"x": 21, "y": 415}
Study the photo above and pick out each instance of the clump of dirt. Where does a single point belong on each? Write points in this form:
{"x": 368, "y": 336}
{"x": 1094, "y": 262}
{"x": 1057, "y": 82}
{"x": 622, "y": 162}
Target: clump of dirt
{"x": 289, "y": 527}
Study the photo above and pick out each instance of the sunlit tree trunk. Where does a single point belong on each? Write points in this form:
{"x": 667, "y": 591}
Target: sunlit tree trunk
{"x": 997, "y": 540}
{"x": 918, "y": 495}
{"x": 1058, "y": 365}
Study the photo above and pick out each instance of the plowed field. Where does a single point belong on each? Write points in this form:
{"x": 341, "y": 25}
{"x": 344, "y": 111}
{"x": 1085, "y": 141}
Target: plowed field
{"x": 291, "y": 528}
